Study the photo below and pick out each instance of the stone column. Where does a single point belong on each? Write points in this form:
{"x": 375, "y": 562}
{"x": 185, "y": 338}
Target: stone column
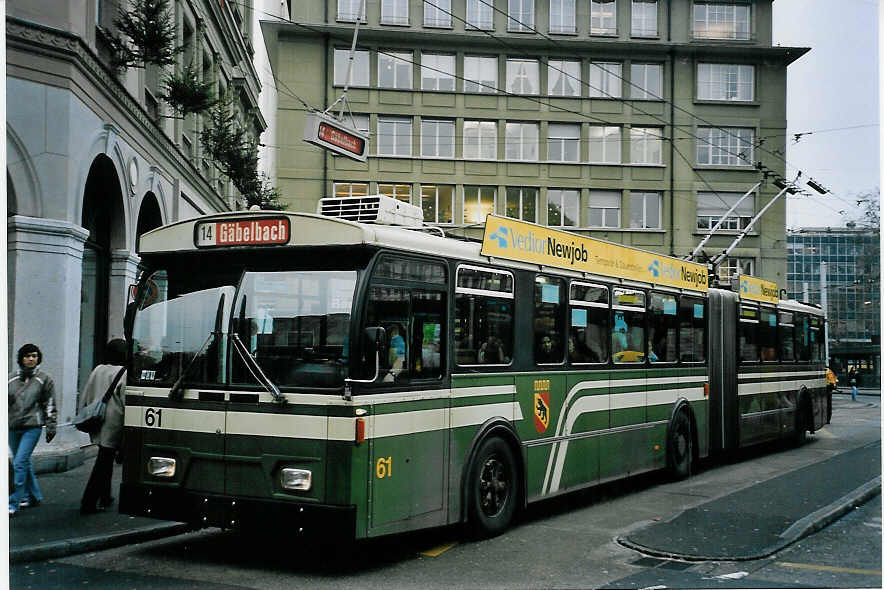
{"x": 44, "y": 265}
{"x": 123, "y": 271}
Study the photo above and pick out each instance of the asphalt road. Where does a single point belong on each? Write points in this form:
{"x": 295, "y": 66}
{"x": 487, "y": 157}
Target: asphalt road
{"x": 565, "y": 543}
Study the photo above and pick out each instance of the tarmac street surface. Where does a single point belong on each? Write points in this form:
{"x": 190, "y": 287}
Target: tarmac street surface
{"x": 765, "y": 519}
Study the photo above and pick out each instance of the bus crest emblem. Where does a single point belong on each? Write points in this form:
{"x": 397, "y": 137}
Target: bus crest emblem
{"x": 541, "y": 411}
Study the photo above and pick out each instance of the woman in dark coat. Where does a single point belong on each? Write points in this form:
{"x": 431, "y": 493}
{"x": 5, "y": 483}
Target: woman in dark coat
{"x": 97, "y": 495}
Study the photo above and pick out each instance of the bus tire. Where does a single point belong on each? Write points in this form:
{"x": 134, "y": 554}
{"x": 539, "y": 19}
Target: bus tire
{"x": 681, "y": 446}
{"x": 492, "y": 489}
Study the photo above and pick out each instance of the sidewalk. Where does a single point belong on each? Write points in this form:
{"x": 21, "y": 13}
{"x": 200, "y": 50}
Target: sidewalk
{"x": 55, "y": 528}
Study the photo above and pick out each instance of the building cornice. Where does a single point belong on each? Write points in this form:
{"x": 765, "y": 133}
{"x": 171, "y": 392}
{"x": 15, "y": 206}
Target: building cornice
{"x": 57, "y": 44}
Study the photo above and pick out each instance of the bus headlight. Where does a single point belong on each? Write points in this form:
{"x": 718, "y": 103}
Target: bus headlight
{"x": 296, "y": 479}
{"x": 161, "y": 467}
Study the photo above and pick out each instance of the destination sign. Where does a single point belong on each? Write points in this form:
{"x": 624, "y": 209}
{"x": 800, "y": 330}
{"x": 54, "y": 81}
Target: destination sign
{"x": 329, "y": 133}
{"x": 757, "y": 289}
{"x": 528, "y": 242}
{"x": 242, "y": 232}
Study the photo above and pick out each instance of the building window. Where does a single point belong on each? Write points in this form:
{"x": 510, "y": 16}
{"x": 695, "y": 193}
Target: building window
{"x": 725, "y": 82}
{"x": 604, "y": 144}
{"x": 725, "y": 146}
{"x": 478, "y": 203}
{"x": 350, "y": 10}
{"x": 394, "y": 12}
{"x": 360, "y": 121}
{"x": 711, "y": 207}
{"x": 480, "y": 140}
{"x": 521, "y": 16}
{"x": 437, "y": 202}
{"x": 480, "y": 74}
{"x": 400, "y": 192}
{"x": 562, "y": 18}
{"x": 437, "y": 71}
{"x": 359, "y": 73}
{"x": 437, "y": 13}
{"x": 646, "y": 145}
{"x": 437, "y": 139}
{"x": 604, "y": 208}
{"x": 721, "y": 21}
{"x": 646, "y": 81}
{"x": 563, "y": 142}
{"x": 644, "y": 18}
{"x": 563, "y": 77}
{"x": 563, "y": 208}
{"x": 351, "y": 189}
{"x": 523, "y": 76}
{"x": 521, "y": 203}
{"x": 729, "y": 267}
{"x": 394, "y": 136}
{"x": 394, "y": 70}
{"x": 645, "y": 210}
{"x": 521, "y": 142}
{"x": 480, "y": 15}
{"x": 603, "y": 17}
{"x": 605, "y": 80}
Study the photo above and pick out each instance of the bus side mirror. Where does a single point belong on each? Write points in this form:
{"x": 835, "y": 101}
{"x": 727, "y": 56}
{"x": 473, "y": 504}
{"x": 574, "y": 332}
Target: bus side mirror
{"x": 129, "y": 320}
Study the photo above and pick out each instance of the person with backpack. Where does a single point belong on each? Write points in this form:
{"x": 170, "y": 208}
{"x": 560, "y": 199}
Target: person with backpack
{"x": 108, "y": 377}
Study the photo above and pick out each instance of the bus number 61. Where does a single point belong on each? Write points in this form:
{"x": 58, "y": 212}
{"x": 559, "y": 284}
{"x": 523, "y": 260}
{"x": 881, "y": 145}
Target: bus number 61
{"x": 153, "y": 417}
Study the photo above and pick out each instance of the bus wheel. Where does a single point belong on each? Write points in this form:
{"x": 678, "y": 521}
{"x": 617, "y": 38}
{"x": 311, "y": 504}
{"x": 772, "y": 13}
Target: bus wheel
{"x": 681, "y": 446}
{"x": 492, "y": 489}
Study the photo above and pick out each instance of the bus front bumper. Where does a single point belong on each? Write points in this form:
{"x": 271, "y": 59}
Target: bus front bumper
{"x": 229, "y": 512}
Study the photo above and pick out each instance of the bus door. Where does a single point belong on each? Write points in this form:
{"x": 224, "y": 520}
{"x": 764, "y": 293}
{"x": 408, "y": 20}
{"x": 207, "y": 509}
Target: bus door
{"x": 409, "y": 424}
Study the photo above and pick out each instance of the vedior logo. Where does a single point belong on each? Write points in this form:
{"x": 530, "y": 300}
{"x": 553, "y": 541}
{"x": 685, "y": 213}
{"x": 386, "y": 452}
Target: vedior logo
{"x": 758, "y": 290}
{"x": 501, "y": 236}
{"x": 654, "y": 269}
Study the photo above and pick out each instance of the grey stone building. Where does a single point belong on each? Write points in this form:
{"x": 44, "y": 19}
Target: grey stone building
{"x": 95, "y": 159}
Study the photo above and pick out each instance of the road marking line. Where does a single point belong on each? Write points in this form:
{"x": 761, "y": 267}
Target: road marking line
{"x": 829, "y": 568}
{"x": 437, "y": 551}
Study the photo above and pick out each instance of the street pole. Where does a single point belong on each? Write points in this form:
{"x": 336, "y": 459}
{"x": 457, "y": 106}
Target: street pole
{"x": 824, "y": 303}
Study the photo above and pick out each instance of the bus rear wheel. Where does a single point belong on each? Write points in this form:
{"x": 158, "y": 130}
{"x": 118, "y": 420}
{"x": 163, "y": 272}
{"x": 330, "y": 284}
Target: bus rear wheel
{"x": 492, "y": 489}
{"x": 681, "y": 446}
{"x": 802, "y": 420}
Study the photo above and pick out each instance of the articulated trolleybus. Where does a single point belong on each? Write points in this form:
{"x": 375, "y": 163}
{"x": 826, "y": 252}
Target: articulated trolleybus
{"x": 360, "y": 379}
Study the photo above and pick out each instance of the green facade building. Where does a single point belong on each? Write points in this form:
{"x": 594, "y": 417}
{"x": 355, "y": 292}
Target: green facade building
{"x": 635, "y": 121}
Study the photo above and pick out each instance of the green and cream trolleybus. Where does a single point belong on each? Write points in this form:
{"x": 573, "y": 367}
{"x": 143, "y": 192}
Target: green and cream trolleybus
{"x": 330, "y": 373}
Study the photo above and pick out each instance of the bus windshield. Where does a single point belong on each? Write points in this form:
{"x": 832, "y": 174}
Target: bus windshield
{"x": 295, "y": 325}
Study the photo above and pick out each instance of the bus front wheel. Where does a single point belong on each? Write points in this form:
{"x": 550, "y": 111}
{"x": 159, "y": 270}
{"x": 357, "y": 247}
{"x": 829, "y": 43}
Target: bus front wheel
{"x": 681, "y": 446}
{"x": 492, "y": 489}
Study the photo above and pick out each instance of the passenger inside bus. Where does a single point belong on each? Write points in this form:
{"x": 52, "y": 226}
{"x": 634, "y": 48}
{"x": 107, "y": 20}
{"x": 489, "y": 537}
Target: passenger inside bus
{"x": 396, "y": 356}
{"x": 491, "y": 352}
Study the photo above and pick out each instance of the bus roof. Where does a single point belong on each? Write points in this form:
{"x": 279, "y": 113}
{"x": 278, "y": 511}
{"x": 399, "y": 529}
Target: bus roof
{"x": 240, "y": 229}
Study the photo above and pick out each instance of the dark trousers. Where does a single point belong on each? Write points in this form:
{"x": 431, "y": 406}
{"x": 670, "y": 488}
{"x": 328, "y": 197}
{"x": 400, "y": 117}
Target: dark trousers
{"x": 98, "y": 489}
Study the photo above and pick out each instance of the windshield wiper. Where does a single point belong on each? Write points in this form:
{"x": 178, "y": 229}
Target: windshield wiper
{"x": 177, "y": 392}
{"x": 255, "y": 369}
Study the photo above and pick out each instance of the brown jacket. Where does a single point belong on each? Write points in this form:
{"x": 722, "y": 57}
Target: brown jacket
{"x": 100, "y": 379}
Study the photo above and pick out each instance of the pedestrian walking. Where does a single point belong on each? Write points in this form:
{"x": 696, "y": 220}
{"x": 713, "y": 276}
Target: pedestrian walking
{"x": 851, "y": 377}
{"x": 31, "y": 407}
{"x": 112, "y": 375}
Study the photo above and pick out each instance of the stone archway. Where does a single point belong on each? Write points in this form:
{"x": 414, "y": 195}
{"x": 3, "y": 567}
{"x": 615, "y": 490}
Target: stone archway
{"x": 149, "y": 217}
{"x": 104, "y": 219}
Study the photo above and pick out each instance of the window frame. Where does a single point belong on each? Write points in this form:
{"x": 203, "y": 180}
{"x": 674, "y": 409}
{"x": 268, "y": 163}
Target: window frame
{"x": 480, "y": 142}
{"x": 602, "y": 78}
{"x": 437, "y": 125}
{"x": 394, "y": 57}
{"x": 431, "y": 8}
{"x": 481, "y": 63}
{"x": 597, "y": 14}
{"x": 560, "y": 318}
{"x": 480, "y": 12}
{"x": 636, "y": 88}
{"x": 642, "y": 141}
{"x": 572, "y": 303}
{"x": 521, "y": 24}
{"x": 436, "y": 199}
{"x": 562, "y": 193}
{"x": 556, "y": 68}
{"x": 716, "y": 152}
{"x": 366, "y": 71}
{"x": 644, "y": 205}
{"x": 566, "y": 17}
{"x": 514, "y": 78}
{"x": 394, "y": 17}
{"x": 643, "y": 18}
{"x": 721, "y": 6}
{"x": 713, "y": 82}
{"x": 479, "y": 201}
{"x": 437, "y": 71}
{"x": 522, "y": 201}
{"x": 396, "y": 121}
{"x": 604, "y": 210}
{"x": 522, "y": 150}
{"x": 562, "y": 142}
{"x": 609, "y": 147}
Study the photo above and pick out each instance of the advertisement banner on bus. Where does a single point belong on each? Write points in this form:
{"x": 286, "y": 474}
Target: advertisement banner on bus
{"x": 757, "y": 289}
{"x": 527, "y": 242}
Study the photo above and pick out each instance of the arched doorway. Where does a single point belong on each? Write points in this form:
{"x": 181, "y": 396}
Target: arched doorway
{"x": 103, "y": 218}
{"x": 149, "y": 217}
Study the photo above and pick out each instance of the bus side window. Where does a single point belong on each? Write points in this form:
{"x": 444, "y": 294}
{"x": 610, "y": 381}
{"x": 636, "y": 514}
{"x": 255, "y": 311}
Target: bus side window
{"x": 628, "y": 330}
{"x": 549, "y": 320}
{"x": 692, "y": 329}
{"x": 427, "y": 323}
{"x": 767, "y": 334}
{"x": 388, "y": 307}
{"x": 662, "y": 328}
{"x": 747, "y": 332}
{"x": 483, "y": 316}
{"x": 803, "y": 342}
{"x": 589, "y": 330}
{"x": 787, "y": 336}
